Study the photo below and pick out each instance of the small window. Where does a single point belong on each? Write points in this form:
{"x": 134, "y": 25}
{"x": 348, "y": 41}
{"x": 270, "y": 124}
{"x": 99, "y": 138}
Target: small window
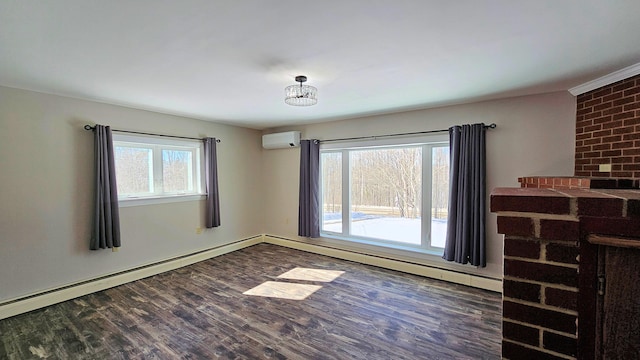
{"x": 392, "y": 194}
{"x": 149, "y": 167}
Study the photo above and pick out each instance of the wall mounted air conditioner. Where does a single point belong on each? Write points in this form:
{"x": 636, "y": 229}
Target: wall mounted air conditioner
{"x": 281, "y": 140}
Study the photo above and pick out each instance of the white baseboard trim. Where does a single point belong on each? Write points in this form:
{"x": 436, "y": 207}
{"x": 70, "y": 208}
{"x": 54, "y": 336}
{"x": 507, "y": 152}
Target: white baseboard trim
{"x": 411, "y": 268}
{"x": 39, "y": 300}
{"x": 71, "y": 291}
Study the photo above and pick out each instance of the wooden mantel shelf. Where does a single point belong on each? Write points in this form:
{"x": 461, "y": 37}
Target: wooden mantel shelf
{"x": 616, "y": 241}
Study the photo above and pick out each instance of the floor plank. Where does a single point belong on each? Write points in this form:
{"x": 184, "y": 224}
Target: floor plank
{"x": 200, "y": 312}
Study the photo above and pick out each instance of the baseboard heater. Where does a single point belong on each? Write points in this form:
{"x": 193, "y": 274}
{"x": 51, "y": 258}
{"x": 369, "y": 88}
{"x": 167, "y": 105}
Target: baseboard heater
{"x": 53, "y": 296}
{"x": 392, "y": 264}
{"x": 67, "y": 292}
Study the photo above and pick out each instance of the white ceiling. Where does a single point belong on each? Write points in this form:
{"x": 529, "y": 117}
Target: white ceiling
{"x": 229, "y": 61}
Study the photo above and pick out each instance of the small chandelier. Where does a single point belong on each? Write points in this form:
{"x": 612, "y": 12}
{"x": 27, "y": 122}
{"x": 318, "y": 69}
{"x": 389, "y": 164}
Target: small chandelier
{"x": 301, "y": 95}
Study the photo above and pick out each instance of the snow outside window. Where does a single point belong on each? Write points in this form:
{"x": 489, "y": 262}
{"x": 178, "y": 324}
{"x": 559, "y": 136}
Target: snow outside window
{"x": 386, "y": 194}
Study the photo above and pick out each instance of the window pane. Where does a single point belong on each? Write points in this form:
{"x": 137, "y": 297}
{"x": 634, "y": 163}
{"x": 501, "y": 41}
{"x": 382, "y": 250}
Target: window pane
{"x": 134, "y": 170}
{"x": 177, "y": 176}
{"x": 386, "y": 194}
{"x": 439, "y": 195}
{"x": 156, "y": 167}
{"x": 332, "y": 192}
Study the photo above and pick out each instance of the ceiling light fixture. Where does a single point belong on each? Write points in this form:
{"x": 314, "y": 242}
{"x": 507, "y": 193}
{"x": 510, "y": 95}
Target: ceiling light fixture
{"x": 301, "y": 95}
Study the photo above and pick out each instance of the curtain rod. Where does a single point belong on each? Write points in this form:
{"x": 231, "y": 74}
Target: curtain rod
{"x": 491, "y": 126}
{"x": 89, "y": 127}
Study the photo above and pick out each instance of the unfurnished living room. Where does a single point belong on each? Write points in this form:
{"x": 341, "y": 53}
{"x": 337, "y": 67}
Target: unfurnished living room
{"x": 319, "y": 180}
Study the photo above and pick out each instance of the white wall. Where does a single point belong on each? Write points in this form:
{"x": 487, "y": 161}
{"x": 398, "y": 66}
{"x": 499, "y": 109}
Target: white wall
{"x": 46, "y": 184}
{"x": 535, "y": 136}
{"x": 46, "y": 164}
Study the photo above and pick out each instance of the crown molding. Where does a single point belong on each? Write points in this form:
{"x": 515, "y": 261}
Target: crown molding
{"x": 622, "y": 74}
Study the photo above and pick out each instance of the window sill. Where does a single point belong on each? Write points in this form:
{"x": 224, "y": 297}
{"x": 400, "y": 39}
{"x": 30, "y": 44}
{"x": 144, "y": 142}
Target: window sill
{"x": 381, "y": 245}
{"x": 141, "y": 201}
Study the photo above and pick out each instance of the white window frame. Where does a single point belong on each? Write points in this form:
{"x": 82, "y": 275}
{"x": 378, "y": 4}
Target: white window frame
{"x": 427, "y": 143}
{"x": 156, "y": 144}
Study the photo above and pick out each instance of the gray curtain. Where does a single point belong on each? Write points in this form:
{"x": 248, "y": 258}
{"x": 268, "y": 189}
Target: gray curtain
{"x": 212, "y": 213}
{"x": 466, "y": 239}
{"x": 106, "y": 226}
{"x": 309, "y": 203}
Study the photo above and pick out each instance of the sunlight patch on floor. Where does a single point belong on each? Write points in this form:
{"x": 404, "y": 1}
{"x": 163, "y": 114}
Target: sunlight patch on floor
{"x": 307, "y": 274}
{"x": 293, "y": 291}
{"x": 283, "y": 290}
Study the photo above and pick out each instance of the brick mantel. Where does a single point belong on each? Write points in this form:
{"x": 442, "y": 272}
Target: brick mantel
{"x": 545, "y": 231}
{"x": 576, "y": 182}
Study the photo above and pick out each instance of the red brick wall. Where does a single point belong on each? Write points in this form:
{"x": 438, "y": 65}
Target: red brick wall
{"x": 608, "y": 130}
{"x": 544, "y": 232}
{"x": 540, "y": 288}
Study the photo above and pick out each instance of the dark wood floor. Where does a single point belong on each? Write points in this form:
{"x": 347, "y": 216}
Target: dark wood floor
{"x": 200, "y": 312}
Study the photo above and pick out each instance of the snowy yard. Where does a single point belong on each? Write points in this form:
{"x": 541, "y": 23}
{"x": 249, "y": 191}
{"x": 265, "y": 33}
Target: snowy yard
{"x": 390, "y": 228}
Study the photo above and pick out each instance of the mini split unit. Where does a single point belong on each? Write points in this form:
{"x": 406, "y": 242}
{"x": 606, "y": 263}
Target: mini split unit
{"x": 281, "y": 140}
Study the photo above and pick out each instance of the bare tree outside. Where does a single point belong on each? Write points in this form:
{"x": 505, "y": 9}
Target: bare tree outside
{"x": 386, "y": 186}
{"x": 439, "y": 195}
{"x": 134, "y": 170}
{"x": 440, "y": 182}
{"x": 387, "y": 181}
{"x": 149, "y": 167}
{"x": 135, "y": 173}
{"x": 332, "y": 181}
{"x": 385, "y": 189}
{"x": 176, "y": 176}
{"x": 332, "y": 190}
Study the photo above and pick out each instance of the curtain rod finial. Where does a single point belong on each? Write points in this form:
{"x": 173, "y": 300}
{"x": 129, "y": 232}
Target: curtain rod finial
{"x": 89, "y": 127}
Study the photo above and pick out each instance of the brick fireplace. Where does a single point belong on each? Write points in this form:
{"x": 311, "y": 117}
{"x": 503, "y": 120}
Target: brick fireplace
{"x": 559, "y": 231}
{"x": 549, "y": 295}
